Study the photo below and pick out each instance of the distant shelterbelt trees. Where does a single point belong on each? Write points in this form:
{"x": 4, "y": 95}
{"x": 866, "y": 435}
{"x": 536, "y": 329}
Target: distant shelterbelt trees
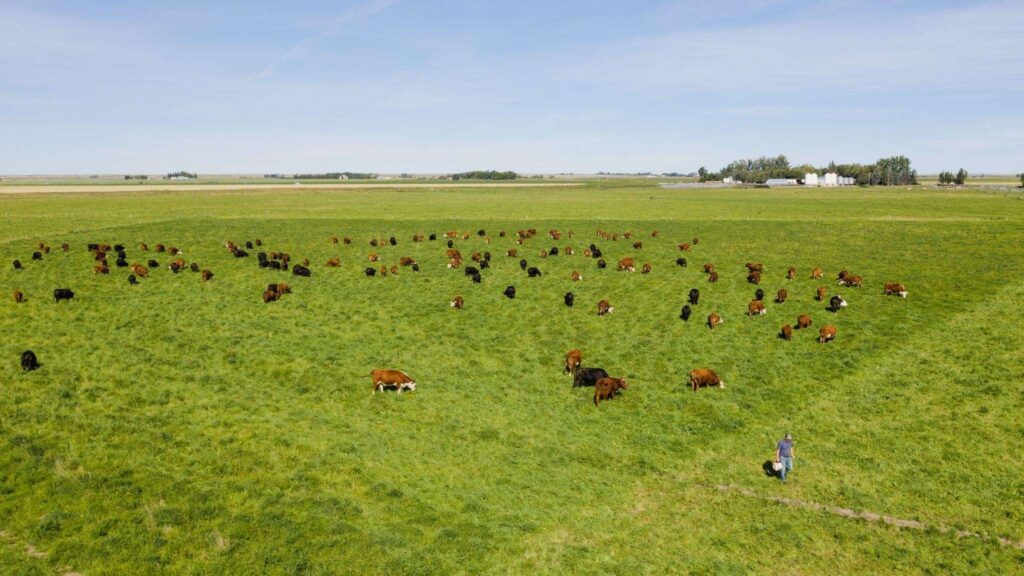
{"x": 949, "y": 178}
{"x": 182, "y": 175}
{"x": 485, "y": 175}
{"x": 894, "y": 171}
{"x": 136, "y": 177}
{"x": 336, "y": 176}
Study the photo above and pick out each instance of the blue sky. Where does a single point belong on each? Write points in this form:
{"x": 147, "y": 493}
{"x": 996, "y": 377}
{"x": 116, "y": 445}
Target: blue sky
{"x": 403, "y": 85}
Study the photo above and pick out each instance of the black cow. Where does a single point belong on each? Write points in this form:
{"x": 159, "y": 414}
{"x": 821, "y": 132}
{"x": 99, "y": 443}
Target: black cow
{"x": 553, "y": 251}
{"x": 300, "y": 270}
{"x": 533, "y": 272}
{"x": 470, "y": 271}
{"x": 239, "y": 253}
{"x": 37, "y": 255}
{"x": 118, "y": 247}
{"x": 510, "y": 292}
{"x": 485, "y": 264}
{"x": 132, "y": 279}
{"x": 759, "y": 294}
{"x": 487, "y": 256}
{"x": 569, "y": 299}
{"x": 681, "y": 262}
{"x": 587, "y": 376}
{"x": 392, "y": 241}
{"x": 16, "y": 264}
{"x": 433, "y": 236}
{"x": 371, "y": 272}
{"x": 29, "y": 362}
{"x": 62, "y": 294}
{"x": 450, "y": 243}
{"x": 835, "y": 303}
{"x": 194, "y": 267}
{"x": 481, "y": 233}
{"x": 273, "y": 265}
{"x": 415, "y": 267}
{"x": 152, "y": 264}
{"x": 595, "y": 253}
{"x": 248, "y": 245}
{"x": 121, "y": 263}
{"x": 522, "y": 264}
{"x": 694, "y": 296}
{"x": 373, "y": 242}
{"x": 476, "y": 278}
{"x": 685, "y": 313}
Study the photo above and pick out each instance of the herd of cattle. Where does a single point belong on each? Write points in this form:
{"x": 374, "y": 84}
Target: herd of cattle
{"x": 605, "y": 386}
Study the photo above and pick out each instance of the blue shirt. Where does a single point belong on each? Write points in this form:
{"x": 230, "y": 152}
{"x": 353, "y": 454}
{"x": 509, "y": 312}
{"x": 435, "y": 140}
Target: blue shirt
{"x": 785, "y": 448}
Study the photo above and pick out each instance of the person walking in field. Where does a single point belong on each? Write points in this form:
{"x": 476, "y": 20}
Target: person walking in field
{"x": 784, "y": 456}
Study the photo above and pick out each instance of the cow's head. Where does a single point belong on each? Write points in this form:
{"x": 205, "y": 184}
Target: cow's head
{"x": 408, "y": 386}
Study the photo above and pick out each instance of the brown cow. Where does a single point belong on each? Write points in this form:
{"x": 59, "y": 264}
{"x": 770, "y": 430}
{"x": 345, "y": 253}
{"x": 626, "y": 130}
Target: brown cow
{"x": 346, "y": 241}
{"x": 895, "y": 289}
{"x": 684, "y": 247}
{"x": 569, "y": 251}
{"x": 646, "y": 269}
{"x": 754, "y": 277}
{"x": 826, "y": 334}
{"x": 603, "y": 307}
{"x": 791, "y": 273}
{"x": 704, "y": 378}
{"x": 458, "y": 303}
{"x": 476, "y": 257}
{"x": 100, "y": 268}
{"x": 816, "y": 274}
{"x": 654, "y": 234}
{"x": 511, "y": 253}
{"x": 334, "y": 239}
{"x": 231, "y": 247}
{"x": 842, "y": 274}
{"x": 627, "y": 265}
{"x": 543, "y": 253}
{"x": 455, "y": 263}
{"x": 174, "y": 251}
{"x": 394, "y": 270}
{"x": 820, "y": 293}
{"x": 709, "y": 268}
{"x": 781, "y": 296}
{"x": 206, "y": 275}
{"x": 638, "y": 245}
{"x": 140, "y": 270}
{"x": 383, "y": 378}
{"x": 755, "y": 266}
{"x": 406, "y": 261}
{"x": 713, "y": 277}
{"x": 269, "y": 296}
{"x": 606, "y": 388}
{"x": 573, "y": 360}
{"x": 714, "y": 320}
{"x": 803, "y": 321}
{"x": 453, "y": 253}
{"x": 65, "y": 247}
{"x": 756, "y": 308}
{"x": 787, "y": 332}
{"x": 373, "y": 257}
{"x": 850, "y": 280}
{"x": 334, "y": 262}
{"x": 576, "y": 276}
{"x": 383, "y": 272}
{"x": 18, "y": 296}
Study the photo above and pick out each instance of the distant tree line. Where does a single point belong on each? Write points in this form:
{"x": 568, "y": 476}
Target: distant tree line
{"x": 485, "y": 175}
{"x": 181, "y": 174}
{"x": 949, "y": 178}
{"x": 337, "y": 176}
{"x": 136, "y": 177}
{"x": 1021, "y": 175}
{"x": 894, "y": 171}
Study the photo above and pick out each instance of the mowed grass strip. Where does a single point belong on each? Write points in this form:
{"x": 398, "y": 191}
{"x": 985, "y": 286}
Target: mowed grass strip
{"x": 184, "y": 427}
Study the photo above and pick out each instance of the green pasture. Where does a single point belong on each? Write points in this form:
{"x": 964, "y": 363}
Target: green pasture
{"x": 177, "y": 427}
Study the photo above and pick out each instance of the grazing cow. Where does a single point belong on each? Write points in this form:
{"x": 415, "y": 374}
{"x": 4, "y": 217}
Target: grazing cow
{"x": 756, "y": 308}
{"x": 835, "y": 303}
{"x": 696, "y": 240}
{"x": 568, "y": 251}
{"x": 685, "y": 313}
{"x": 248, "y": 244}
{"x": 510, "y": 292}
{"x": 704, "y": 378}
{"x": 755, "y": 267}
{"x": 162, "y": 248}
{"x": 121, "y": 263}
{"x": 819, "y": 295}
{"x": 270, "y": 296}
{"x": 754, "y": 277}
{"x": 18, "y": 296}
{"x": 511, "y": 253}
{"x": 603, "y": 307}
{"x": 394, "y": 270}
{"x": 433, "y": 237}
{"x": 553, "y": 251}
{"x": 573, "y": 360}
{"x": 334, "y": 239}
{"x": 803, "y": 321}
{"x": 153, "y": 264}
{"x": 453, "y": 254}
{"x": 595, "y": 253}
{"x": 450, "y": 243}
{"x": 684, "y": 247}
{"x": 586, "y": 252}
{"x": 781, "y": 296}
{"x": 638, "y": 245}
{"x": 569, "y": 299}
{"x": 543, "y": 253}
{"x": 816, "y": 274}
{"x": 587, "y": 376}
{"x": 383, "y": 271}
{"x": 522, "y": 264}
{"x": 373, "y": 242}
{"x": 713, "y": 277}
{"x": 842, "y": 275}
{"x": 791, "y": 274}
{"x": 175, "y": 251}
{"x": 654, "y": 234}
{"x": 694, "y": 296}
{"x": 826, "y": 334}
{"x": 458, "y": 303}
{"x": 415, "y": 267}
{"x": 283, "y": 288}
{"x": 37, "y": 255}
{"x": 194, "y": 267}
{"x": 533, "y": 272}
{"x": 300, "y": 270}
{"x": 132, "y": 280}
{"x": 16, "y": 264}
{"x": 787, "y": 332}
{"x": 454, "y": 263}
{"x": 140, "y": 270}
{"x": 487, "y": 256}
{"x": 406, "y": 261}
{"x": 476, "y": 278}
{"x": 65, "y": 247}
{"x": 481, "y": 232}
{"x": 646, "y": 269}
{"x": 346, "y": 241}
{"x": 485, "y": 264}
{"x": 470, "y": 270}
{"x": 206, "y": 275}
{"x": 895, "y": 289}
{"x": 626, "y": 265}
{"x": 601, "y": 264}
{"x": 372, "y": 257}
{"x": 476, "y": 257}
{"x": 681, "y": 262}
{"x": 575, "y": 276}
{"x": 334, "y": 262}
{"x": 852, "y": 281}
{"x": 758, "y": 294}
{"x": 62, "y": 294}
{"x": 29, "y": 362}
{"x": 709, "y": 268}
{"x": 714, "y": 320}
{"x": 392, "y": 241}
{"x": 607, "y": 388}
{"x": 383, "y": 379}
{"x": 101, "y": 268}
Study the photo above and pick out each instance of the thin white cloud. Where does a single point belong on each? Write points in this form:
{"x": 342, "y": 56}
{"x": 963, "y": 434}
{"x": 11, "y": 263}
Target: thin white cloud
{"x": 353, "y": 14}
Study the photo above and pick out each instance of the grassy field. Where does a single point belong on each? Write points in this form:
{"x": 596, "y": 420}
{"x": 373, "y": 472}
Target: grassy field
{"x": 177, "y": 427}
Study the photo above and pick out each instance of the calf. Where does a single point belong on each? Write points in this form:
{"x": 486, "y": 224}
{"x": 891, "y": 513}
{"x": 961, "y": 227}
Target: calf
{"x": 587, "y": 376}
{"x": 384, "y": 378}
{"x": 100, "y": 268}
{"x": 533, "y": 272}
{"x": 603, "y": 307}
{"x": 835, "y": 303}
{"x": 300, "y": 270}
{"x": 16, "y": 264}
{"x": 270, "y": 295}
{"x": 816, "y": 274}
{"x": 781, "y": 296}
{"x": 803, "y": 321}
{"x": 704, "y": 378}
{"x": 646, "y": 269}
{"x": 685, "y": 313}
{"x": 206, "y": 275}
{"x": 791, "y": 273}
{"x": 756, "y": 308}
{"x": 370, "y": 271}
{"x": 754, "y": 278}
{"x": 601, "y": 264}
{"x": 523, "y": 264}
{"x": 684, "y": 247}
{"x": 132, "y": 280}
{"x": 681, "y": 262}
{"x": 826, "y": 334}
{"x": 29, "y": 362}
{"x": 709, "y": 268}
{"x": 334, "y": 263}
{"x": 819, "y": 295}
{"x": 18, "y": 296}
{"x": 458, "y": 303}
{"x": 62, "y": 294}
{"x": 575, "y": 276}
{"x": 714, "y": 320}
{"x": 638, "y": 245}
{"x": 372, "y": 257}
{"x": 569, "y": 299}
{"x": 713, "y": 276}
{"x": 787, "y": 332}
{"x": 758, "y": 294}
{"x": 607, "y": 388}
{"x": 510, "y": 292}
{"x": 573, "y": 360}
{"x": 895, "y": 289}
{"x": 511, "y": 253}
{"x": 694, "y": 296}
